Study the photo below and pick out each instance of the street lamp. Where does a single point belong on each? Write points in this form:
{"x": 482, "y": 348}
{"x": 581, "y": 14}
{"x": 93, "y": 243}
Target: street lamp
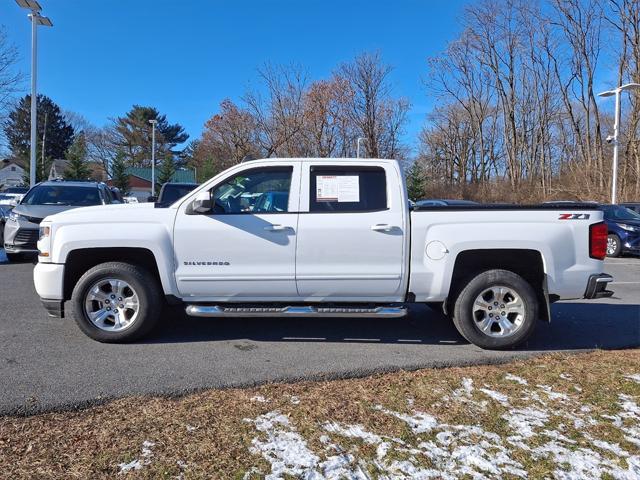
{"x": 358, "y": 146}
{"x": 616, "y": 130}
{"x": 153, "y": 156}
{"x": 36, "y": 19}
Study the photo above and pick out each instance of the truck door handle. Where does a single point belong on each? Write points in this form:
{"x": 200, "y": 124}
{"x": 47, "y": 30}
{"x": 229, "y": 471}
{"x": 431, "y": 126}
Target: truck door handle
{"x": 382, "y": 227}
{"x": 276, "y": 228}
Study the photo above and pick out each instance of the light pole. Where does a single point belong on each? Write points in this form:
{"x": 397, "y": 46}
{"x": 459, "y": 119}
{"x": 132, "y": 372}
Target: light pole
{"x": 358, "y": 146}
{"x": 36, "y": 19}
{"x": 616, "y": 130}
{"x": 153, "y": 156}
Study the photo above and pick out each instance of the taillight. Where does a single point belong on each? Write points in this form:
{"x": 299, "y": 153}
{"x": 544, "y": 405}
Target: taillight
{"x": 598, "y": 240}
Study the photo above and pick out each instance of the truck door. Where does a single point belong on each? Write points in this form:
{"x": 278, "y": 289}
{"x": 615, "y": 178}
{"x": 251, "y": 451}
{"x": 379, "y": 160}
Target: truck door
{"x": 351, "y": 238}
{"x": 244, "y": 248}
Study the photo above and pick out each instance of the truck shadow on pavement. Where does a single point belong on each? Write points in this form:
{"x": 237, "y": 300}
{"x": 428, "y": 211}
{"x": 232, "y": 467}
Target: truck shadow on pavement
{"x": 575, "y": 326}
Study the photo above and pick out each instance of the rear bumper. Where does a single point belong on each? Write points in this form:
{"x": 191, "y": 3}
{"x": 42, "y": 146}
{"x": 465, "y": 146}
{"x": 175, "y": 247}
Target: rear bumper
{"x": 597, "y": 286}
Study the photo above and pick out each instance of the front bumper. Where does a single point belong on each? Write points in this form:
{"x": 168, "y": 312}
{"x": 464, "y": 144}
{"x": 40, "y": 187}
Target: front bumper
{"x": 597, "y": 286}
{"x": 20, "y": 239}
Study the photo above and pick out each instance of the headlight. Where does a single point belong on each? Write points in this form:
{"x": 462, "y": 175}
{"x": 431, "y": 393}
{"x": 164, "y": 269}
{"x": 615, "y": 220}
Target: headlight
{"x": 628, "y": 228}
{"x": 44, "y": 231}
{"x": 44, "y": 242}
{"x": 13, "y": 216}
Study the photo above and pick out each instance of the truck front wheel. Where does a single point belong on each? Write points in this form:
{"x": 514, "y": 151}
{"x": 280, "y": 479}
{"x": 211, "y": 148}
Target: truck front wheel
{"x": 497, "y": 309}
{"x": 116, "y": 302}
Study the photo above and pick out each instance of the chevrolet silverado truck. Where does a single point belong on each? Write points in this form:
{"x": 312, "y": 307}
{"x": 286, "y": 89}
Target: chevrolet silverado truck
{"x": 318, "y": 238}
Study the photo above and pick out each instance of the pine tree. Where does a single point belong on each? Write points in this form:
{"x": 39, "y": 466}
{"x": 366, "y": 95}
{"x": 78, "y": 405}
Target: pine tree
{"x": 167, "y": 170}
{"x": 415, "y": 181}
{"x": 119, "y": 175}
{"x": 77, "y": 167}
{"x": 58, "y": 135}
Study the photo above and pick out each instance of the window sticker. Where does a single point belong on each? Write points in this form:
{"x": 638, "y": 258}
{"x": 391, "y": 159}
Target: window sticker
{"x": 332, "y": 188}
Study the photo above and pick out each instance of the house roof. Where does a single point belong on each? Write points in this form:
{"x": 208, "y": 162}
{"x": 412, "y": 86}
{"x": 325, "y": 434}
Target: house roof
{"x": 181, "y": 175}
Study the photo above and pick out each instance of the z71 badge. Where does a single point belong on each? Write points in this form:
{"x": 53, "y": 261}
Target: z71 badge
{"x": 574, "y": 216}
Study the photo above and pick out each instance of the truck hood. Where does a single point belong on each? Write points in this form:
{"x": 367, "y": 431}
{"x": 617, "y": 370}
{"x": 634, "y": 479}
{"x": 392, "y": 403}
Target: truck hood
{"x": 120, "y": 213}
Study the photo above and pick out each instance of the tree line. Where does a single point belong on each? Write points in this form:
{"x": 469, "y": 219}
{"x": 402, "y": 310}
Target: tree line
{"x": 517, "y": 117}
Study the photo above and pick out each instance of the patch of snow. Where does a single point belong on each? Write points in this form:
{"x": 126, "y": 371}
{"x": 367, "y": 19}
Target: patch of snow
{"x": 501, "y": 398}
{"x": 259, "y": 399}
{"x": 523, "y": 420}
{"x": 191, "y": 428}
{"x": 284, "y": 448}
{"x": 419, "y": 422}
{"x": 611, "y": 447}
{"x": 353, "y": 431}
{"x": 515, "y": 378}
{"x": 551, "y": 394}
{"x": 295, "y": 400}
{"x": 566, "y": 376}
{"x": 137, "y": 464}
{"x": 635, "y": 377}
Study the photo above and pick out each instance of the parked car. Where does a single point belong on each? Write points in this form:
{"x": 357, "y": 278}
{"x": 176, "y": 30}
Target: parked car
{"x": 439, "y": 202}
{"x": 11, "y": 199}
{"x": 343, "y": 243}
{"x": 4, "y": 214}
{"x": 634, "y": 206}
{"x": 18, "y": 190}
{"x": 130, "y": 199}
{"x": 170, "y": 192}
{"x": 623, "y": 230}
{"x": 47, "y": 198}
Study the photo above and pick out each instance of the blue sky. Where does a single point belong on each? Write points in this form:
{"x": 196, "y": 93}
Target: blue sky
{"x": 184, "y": 57}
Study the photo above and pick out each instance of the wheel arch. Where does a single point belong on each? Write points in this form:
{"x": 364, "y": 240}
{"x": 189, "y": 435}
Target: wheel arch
{"x": 80, "y": 260}
{"x": 528, "y": 263}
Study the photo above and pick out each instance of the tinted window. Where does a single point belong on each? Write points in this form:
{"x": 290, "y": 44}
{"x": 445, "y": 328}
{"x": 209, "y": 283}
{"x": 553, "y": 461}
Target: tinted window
{"x": 171, "y": 193}
{"x": 62, "y": 195}
{"x": 348, "y": 189}
{"x": 261, "y": 190}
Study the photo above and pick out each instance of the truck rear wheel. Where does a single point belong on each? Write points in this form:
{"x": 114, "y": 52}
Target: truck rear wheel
{"x": 116, "y": 302}
{"x": 497, "y": 309}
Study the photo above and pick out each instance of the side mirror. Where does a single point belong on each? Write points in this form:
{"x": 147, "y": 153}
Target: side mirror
{"x": 201, "y": 204}
{"x": 152, "y": 199}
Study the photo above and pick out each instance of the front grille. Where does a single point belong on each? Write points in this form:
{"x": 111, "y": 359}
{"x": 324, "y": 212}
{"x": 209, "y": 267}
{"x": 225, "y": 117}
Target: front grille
{"x": 35, "y": 220}
{"x": 27, "y": 238}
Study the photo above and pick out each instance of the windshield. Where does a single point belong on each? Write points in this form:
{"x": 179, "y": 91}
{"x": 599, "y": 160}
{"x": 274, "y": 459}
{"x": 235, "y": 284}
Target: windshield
{"x": 171, "y": 193}
{"x": 62, "y": 195}
{"x": 618, "y": 213}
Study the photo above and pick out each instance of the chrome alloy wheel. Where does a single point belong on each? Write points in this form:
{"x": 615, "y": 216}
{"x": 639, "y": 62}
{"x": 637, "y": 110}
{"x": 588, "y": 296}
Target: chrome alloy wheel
{"x": 499, "y": 311}
{"x": 111, "y": 304}
{"x": 612, "y": 245}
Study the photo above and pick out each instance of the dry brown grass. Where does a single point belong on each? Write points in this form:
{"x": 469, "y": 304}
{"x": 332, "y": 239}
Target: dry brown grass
{"x": 206, "y": 435}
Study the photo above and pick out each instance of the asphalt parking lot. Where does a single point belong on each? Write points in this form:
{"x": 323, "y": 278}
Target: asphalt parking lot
{"x": 49, "y": 364}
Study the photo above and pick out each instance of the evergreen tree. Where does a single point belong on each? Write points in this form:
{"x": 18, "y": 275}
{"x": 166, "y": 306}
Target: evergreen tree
{"x": 58, "y": 135}
{"x": 77, "y": 168}
{"x": 133, "y": 135}
{"x": 167, "y": 170}
{"x": 119, "y": 175}
{"x": 415, "y": 181}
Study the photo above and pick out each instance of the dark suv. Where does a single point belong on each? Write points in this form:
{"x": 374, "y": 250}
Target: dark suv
{"x": 170, "y": 192}
{"x": 47, "y": 198}
{"x": 624, "y": 230}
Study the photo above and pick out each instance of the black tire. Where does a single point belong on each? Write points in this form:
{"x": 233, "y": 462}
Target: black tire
{"x": 613, "y": 239}
{"x": 466, "y": 323}
{"x": 15, "y": 257}
{"x": 145, "y": 285}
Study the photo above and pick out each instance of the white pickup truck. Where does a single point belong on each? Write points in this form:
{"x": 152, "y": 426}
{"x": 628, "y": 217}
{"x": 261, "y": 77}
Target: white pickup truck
{"x": 318, "y": 237}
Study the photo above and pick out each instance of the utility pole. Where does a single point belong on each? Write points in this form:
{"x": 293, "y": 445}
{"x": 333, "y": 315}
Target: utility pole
{"x": 36, "y": 19}
{"x": 358, "y": 146}
{"x": 153, "y": 156}
{"x": 617, "y": 92}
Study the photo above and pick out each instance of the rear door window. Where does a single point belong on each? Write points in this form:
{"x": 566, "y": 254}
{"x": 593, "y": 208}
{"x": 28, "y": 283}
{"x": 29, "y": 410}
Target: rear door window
{"x": 347, "y": 189}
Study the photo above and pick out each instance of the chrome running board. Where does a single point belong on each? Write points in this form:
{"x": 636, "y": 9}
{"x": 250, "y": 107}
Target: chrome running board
{"x": 294, "y": 311}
